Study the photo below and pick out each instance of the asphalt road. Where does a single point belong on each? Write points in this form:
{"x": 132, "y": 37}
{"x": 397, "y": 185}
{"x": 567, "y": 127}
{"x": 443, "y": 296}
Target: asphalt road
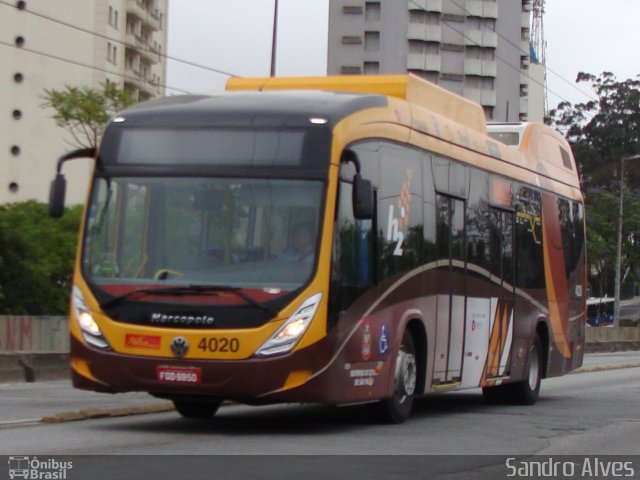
{"x": 593, "y": 413}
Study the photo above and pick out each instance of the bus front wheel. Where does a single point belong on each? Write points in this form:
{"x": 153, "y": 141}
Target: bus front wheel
{"x": 397, "y": 408}
{"x": 196, "y": 409}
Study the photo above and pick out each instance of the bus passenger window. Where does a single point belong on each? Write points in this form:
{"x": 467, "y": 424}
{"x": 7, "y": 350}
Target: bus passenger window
{"x": 352, "y": 269}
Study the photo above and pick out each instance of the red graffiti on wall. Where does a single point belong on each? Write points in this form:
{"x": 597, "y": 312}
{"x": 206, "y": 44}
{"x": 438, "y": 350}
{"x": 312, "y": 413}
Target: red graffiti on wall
{"x": 18, "y": 334}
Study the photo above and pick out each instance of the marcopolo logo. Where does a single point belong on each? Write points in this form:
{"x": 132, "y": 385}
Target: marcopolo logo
{"x": 38, "y": 469}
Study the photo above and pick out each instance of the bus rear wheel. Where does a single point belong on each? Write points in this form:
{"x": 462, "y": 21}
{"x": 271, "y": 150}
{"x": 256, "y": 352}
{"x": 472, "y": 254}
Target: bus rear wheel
{"x": 397, "y": 408}
{"x": 197, "y": 409}
{"x": 527, "y": 391}
{"x": 524, "y": 392}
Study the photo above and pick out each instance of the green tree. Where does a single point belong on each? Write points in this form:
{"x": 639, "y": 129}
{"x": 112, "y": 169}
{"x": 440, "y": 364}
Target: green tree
{"x": 36, "y": 254}
{"x": 601, "y": 133}
{"x": 84, "y": 111}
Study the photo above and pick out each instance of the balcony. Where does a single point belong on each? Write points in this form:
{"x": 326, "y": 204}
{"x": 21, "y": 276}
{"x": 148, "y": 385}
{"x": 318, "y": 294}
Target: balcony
{"x": 481, "y": 38}
{"x": 424, "y": 62}
{"x": 426, "y": 5}
{"x": 140, "y": 86}
{"x": 137, "y": 47}
{"x": 150, "y": 20}
{"x": 474, "y": 8}
{"x": 480, "y": 68}
{"x": 486, "y": 98}
{"x": 426, "y": 33}
{"x": 473, "y": 66}
{"x": 481, "y": 8}
{"x": 137, "y": 9}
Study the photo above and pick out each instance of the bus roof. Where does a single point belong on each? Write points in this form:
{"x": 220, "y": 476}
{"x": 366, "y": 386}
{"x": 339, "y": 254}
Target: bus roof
{"x": 411, "y": 88}
{"x": 537, "y": 147}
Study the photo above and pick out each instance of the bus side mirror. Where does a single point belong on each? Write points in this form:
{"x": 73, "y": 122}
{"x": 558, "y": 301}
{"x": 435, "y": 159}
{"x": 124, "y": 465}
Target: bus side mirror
{"x": 362, "y": 198}
{"x": 56, "y": 196}
{"x": 59, "y": 184}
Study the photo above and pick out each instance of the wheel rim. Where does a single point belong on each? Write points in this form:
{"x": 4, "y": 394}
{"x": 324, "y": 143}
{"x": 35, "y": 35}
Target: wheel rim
{"x": 406, "y": 374}
{"x": 534, "y": 369}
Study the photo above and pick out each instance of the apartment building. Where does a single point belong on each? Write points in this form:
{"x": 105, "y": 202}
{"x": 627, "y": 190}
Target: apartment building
{"x": 475, "y": 48}
{"x": 48, "y": 45}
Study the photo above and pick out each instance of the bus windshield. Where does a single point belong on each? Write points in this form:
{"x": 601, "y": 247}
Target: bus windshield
{"x": 241, "y": 233}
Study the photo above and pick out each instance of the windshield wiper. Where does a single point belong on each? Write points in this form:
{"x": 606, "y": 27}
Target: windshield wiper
{"x": 187, "y": 290}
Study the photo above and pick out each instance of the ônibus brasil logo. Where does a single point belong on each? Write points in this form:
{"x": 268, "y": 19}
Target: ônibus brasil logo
{"x": 35, "y": 469}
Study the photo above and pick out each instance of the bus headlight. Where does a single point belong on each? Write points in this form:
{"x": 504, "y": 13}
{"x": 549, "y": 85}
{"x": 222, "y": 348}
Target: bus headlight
{"x": 90, "y": 329}
{"x": 291, "y": 331}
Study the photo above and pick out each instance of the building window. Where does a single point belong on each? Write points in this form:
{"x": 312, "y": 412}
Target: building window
{"x": 451, "y": 17}
{"x": 347, "y": 70}
{"x": 372, "y": 11}
{"x": 453, "y": 77}
{"x": 113, "y": 17}
{"x": 112, "y": 53}
{"x": 349, "y": 10}
{"x": 371, "y": 68}
{"x": 351, "y": 40}
{"x": 452, "y": 47}
{"x": 372, "y": 41}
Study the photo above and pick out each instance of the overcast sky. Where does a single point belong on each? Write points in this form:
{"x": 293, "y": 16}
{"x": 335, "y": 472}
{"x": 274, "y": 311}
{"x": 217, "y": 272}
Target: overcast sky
{"x": 234, "y": 36}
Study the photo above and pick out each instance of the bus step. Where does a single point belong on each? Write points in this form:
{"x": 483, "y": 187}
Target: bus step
{"x": 446, "y": 385}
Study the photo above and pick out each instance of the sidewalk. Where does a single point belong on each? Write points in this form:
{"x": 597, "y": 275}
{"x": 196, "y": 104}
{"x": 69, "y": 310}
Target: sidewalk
{"x": 57, "y": 401}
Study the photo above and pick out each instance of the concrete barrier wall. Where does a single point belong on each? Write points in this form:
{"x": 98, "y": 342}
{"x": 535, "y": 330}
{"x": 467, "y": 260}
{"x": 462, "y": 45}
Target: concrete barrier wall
{"x": 31, "y": 334}
{"x": 37, "y": 348}
{"x": 49, "y": 334}
{"x": 612, "y": 334}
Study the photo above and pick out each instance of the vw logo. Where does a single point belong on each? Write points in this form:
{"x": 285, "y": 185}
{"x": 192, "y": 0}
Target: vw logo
{"x": 179, "y": 346}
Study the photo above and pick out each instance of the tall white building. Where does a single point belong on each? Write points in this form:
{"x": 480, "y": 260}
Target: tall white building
{"x": 475, "y": 48}
{"x": 48, "y": 44}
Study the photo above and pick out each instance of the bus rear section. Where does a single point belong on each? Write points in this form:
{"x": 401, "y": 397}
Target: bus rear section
{"x": 340, "y": 246}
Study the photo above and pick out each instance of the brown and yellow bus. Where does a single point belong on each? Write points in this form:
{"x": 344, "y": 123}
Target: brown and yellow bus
{"x": 335, "y": 240}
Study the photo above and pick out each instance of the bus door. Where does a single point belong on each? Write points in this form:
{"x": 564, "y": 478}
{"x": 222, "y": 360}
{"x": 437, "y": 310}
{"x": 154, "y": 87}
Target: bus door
{"x": 451, "y": 315}
{"x": 502, "y": 303}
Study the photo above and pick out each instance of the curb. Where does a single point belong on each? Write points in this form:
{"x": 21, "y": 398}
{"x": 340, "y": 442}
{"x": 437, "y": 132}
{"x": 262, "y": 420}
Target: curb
{"x": 90, "y": 413}
{"x": 608, "y": 347}
{"x": 604, "y": 368}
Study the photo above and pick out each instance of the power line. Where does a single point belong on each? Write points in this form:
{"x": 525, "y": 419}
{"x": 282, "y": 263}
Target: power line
{"x": 80, "y": 64}
{"x": 120, "y": 42}
{"x": 507, "y": 40}
{"x": 506, "y": 62}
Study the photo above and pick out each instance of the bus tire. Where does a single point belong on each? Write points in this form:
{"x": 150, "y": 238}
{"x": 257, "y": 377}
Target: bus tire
{"x": 495, "y": 394}
{"x": 196, "y": 409}
{"x": 397, "y": 408}
{"x": 526, "y": 392}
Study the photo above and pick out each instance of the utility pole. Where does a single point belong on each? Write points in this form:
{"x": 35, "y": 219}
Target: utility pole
{"x": 618, "y": 274}
{"x": 274, "y": 39}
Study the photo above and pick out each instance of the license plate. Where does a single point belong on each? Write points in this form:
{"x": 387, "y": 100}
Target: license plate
{"x": 181, "y": 375}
